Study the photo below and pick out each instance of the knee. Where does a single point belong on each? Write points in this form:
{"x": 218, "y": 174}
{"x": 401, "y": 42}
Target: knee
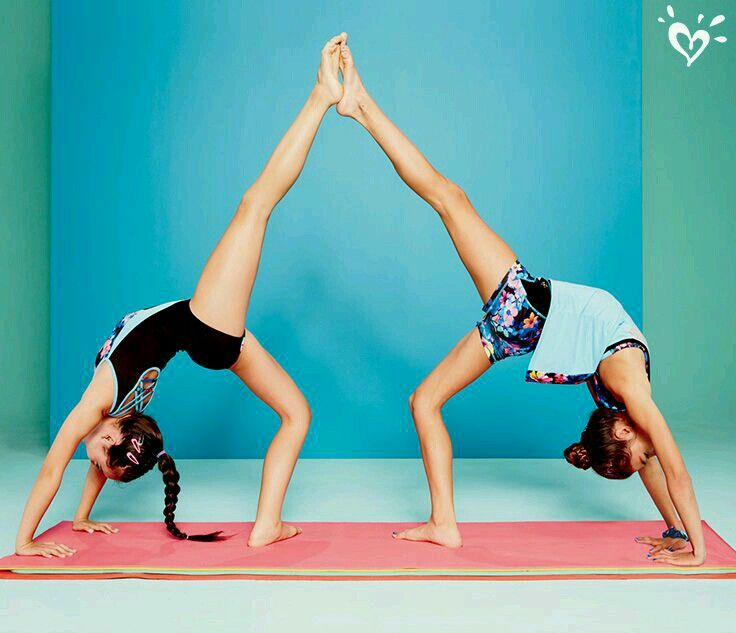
{"x": 450, "y": 197}
{"x": 253, "y": 204}
{"x": 421, "y": 403}
{"x": 412, "y": 398}
{"x": 298, "y": 418}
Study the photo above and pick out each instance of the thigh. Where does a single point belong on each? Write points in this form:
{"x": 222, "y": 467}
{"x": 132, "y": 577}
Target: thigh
{"x": 466, "y": 362}
{"x": 223, "y": 292}
{"x": 486, "y": 256}
{"x": 268, "y": 380}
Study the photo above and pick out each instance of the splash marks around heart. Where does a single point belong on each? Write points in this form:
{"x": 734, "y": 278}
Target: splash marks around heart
{"x": 678, "y": 33}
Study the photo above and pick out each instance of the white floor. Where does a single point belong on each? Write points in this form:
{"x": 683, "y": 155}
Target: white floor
{"x": 375, "y": 490}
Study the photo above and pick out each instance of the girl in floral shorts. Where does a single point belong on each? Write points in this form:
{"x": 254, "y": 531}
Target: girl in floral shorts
{"x": 582, "y": 334}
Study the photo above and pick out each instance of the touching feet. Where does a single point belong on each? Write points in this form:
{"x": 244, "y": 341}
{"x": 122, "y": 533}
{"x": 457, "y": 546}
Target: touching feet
{"x": 354, "y": 94}
{"x": 328, "y": 81}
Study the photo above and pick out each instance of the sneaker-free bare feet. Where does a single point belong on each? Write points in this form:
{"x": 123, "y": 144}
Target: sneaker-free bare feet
{"x": 265, "y": 535}
{"x": 445, "y": 535}
{"x": 353, "y": 92}
{"x": 328, "y": 80}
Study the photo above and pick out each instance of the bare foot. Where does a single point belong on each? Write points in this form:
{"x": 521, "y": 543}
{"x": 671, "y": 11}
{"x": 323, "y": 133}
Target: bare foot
{"x": 445, "y": 535}
{"x": 353, "y": 91}
{"x": 328, "y": 81}
{"x": 261, "y": 536}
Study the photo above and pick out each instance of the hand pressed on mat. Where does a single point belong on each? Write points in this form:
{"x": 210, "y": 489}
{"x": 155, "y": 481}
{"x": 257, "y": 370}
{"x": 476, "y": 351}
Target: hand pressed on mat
{"x": 85, "y": 525}
{"x": 47, "y": 550}
{"x": 659, "y": 544}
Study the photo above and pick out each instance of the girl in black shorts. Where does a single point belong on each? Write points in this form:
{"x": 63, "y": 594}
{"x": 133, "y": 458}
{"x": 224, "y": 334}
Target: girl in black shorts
{"x": 122, "y": 442}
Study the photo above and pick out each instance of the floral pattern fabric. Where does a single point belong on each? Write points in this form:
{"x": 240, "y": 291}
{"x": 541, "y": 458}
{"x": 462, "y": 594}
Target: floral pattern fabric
{"x": 511, "y": 326}
{"x": 107, "y": 345}
{"x": 604, "y": 399}
{"x": 556, "y": 379}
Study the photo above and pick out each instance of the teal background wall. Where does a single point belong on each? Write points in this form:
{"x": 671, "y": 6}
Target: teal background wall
{"x": 25, "y": 67}
{"x": 689, "y": 195}
{"x": 164, "y": 112}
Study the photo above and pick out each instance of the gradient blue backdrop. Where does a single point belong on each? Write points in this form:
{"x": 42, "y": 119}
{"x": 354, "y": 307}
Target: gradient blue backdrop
{"x": 164, "y": 112}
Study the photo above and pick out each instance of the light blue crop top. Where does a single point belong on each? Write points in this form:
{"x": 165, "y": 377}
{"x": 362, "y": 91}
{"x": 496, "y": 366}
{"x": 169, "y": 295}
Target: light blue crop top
{"x": 582, "y": 325}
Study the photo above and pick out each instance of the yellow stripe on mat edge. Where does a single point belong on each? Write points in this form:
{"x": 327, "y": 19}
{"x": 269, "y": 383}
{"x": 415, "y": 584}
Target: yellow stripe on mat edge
{"x": 414, "y": 570}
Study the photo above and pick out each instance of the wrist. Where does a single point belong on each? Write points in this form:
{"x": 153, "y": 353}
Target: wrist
{"x": 20, "y": 544}
{"x": 698, "y": 554}
{"x": 673, "y": 532}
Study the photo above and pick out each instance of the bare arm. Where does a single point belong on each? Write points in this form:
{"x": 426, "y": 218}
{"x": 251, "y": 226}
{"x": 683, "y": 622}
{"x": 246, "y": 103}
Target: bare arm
{"x": 647, "y": 416}
{"x": 81, "y": 420}
{"x": 654, "y": 480}
{"x": 93, "y": 484}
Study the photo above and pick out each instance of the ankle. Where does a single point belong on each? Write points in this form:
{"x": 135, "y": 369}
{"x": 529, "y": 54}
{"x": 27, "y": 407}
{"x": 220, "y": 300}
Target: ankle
{"x": 363, "y": 103}
{"x": 443, "y": 521}
{"x": 266, "y": 525}
{"x": 321, "y": 99}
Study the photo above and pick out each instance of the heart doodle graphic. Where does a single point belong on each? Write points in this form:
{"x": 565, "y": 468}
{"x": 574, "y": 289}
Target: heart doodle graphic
{"x": 678, "y": 30}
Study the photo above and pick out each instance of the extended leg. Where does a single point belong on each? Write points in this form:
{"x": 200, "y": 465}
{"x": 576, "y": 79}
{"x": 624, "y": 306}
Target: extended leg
{"x": 224, "y": 288}
{"x": 485, "y": 255}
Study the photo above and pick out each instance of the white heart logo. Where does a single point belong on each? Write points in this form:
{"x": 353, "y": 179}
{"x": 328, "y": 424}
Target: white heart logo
{"x": 678, "y": 28}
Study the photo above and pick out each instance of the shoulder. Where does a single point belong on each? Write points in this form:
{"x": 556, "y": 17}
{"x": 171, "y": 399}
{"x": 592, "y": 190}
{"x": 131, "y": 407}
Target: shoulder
{"x": 625, "y": 374}
{"x": 92, "y": 407}
{"x": 100, "y": 391}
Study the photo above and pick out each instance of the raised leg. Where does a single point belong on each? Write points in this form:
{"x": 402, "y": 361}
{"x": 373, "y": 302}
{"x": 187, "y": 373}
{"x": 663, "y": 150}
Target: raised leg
{"x": 485, "y": 255}
{"x": 224, "y": 289}
{"x": 268, "y": 380}
{"x": 223, "y": 292}
{"x": 464, "y": 364}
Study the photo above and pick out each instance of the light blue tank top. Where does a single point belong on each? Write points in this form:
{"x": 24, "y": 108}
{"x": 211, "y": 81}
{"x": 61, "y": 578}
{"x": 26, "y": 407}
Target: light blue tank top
{"x": 583, "y": 322}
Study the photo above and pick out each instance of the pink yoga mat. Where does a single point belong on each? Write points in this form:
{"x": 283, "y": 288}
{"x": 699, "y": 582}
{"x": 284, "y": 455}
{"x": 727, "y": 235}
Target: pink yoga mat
{"x": 582, "y": 549}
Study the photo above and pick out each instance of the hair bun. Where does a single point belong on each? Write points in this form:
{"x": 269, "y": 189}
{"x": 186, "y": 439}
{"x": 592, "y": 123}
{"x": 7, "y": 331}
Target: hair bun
{"x": 578, "y": 456}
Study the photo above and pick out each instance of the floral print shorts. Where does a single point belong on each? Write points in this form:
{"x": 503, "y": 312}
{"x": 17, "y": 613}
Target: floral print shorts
{"x": 511, "y": 326}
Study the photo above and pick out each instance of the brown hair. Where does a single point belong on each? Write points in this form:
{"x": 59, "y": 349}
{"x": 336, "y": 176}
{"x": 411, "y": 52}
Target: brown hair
{"x": 140, "y": 449}
{"x": 599, "y": 448}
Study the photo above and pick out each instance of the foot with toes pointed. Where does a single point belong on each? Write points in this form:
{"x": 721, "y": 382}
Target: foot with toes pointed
{"x": 328, "y": 81}
{"x": 353, "y": 93}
